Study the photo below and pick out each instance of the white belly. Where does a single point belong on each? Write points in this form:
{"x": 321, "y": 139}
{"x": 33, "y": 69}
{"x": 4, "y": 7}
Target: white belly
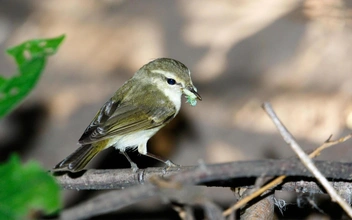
{"x": 132, "y": 140}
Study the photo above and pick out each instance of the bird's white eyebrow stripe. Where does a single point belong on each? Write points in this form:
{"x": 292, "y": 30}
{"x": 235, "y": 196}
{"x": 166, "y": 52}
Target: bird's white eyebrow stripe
{"x": 168, "y": 74}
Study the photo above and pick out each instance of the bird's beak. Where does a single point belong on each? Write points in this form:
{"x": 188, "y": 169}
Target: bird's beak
{"x": 193, "y": 90}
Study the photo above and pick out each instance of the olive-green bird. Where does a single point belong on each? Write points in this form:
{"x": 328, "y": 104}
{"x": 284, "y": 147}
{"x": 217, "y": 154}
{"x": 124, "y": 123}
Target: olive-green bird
{"x": 140, "y": 108}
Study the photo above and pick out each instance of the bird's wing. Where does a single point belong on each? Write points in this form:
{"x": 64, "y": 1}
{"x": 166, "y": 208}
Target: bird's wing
{"x": 116, "y": 118}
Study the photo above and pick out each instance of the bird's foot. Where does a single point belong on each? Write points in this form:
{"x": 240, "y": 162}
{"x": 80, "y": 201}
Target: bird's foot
{"x": 134, "y": 167}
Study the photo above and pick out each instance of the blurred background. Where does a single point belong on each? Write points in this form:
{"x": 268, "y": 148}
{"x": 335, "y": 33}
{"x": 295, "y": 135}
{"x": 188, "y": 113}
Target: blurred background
{"x": 295, "y": 54}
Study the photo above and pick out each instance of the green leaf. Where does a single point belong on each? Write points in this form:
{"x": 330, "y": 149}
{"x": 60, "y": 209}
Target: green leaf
{"x": 30, "y": 58}
{"x": 25, "y": 189}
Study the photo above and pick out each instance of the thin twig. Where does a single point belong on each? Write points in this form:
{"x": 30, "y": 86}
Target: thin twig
{"x": 328, "y": 143}
{"x": 289, "y": 139}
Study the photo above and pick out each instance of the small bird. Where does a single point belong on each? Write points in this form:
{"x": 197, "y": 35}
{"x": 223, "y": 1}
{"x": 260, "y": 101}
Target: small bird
{"x": 141, "y": 107}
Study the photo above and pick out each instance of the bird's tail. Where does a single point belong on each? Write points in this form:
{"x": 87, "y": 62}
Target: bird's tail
{"x": 78, "y": 159}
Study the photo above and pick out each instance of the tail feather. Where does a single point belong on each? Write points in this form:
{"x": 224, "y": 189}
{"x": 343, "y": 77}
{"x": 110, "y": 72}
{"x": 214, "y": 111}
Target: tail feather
{"x": 78, "y": 159}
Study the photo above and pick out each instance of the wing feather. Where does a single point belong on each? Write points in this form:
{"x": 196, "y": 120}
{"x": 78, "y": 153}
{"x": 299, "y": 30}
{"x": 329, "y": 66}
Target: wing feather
{"x": 123, "y": 120}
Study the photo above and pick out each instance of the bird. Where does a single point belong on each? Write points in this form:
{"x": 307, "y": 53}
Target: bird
{"x": 139, "y": 108}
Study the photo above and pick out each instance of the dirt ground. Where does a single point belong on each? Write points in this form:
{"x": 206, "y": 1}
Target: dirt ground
{"x": 295, "y": 54}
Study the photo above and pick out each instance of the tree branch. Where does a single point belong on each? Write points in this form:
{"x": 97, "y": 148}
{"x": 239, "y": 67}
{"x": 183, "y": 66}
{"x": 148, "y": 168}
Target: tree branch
{"x": 211, "y": 175}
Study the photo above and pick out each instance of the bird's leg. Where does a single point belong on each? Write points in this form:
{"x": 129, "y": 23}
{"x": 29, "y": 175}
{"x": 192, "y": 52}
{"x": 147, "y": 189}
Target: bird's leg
{"x": 168, "y": 163}
{"x": 134, "y": 166}
{"x": 142, "y": 149}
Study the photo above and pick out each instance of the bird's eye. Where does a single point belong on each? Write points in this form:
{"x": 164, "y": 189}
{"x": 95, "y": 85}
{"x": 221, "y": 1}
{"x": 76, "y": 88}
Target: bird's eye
{"x": 171, "y": 81}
